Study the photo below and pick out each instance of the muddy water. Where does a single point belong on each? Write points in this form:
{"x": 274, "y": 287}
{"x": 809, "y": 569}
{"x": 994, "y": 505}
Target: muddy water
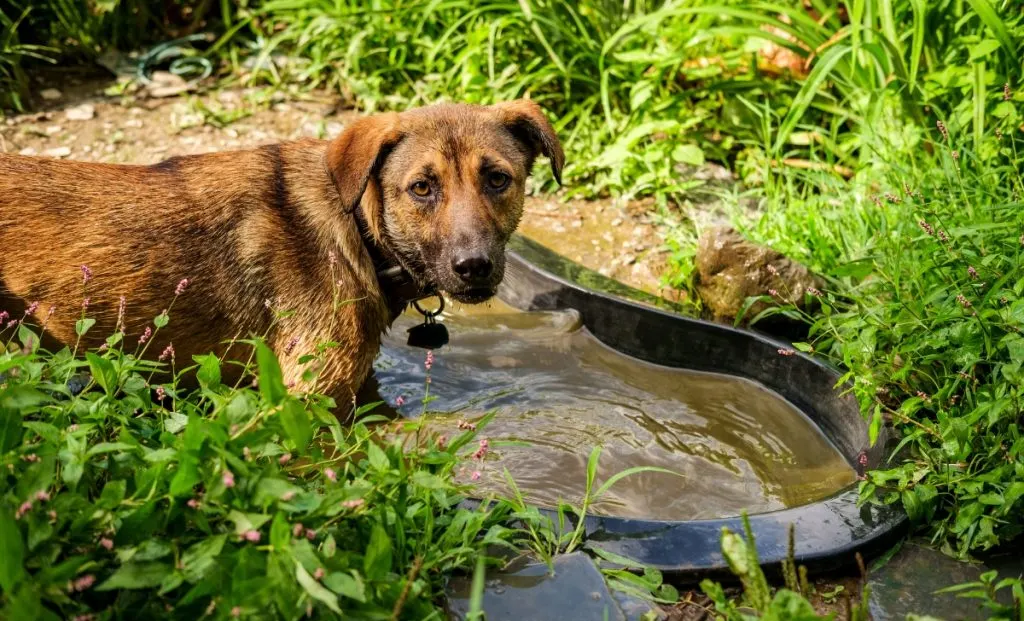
{"x": 558, "y": 392}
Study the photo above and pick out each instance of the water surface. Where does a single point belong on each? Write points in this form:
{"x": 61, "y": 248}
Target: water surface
{"x": 736, "y": 444}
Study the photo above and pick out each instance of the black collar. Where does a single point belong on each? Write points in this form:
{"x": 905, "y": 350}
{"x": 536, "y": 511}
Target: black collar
{"x": 396, "y": 284}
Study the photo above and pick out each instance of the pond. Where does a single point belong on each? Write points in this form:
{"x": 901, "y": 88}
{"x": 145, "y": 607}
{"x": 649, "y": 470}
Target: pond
{"x": 734, "y": 444}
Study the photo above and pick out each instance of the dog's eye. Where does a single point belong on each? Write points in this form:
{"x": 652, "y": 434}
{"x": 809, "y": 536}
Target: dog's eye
{"x": 498, "y": 180}
{"x": 421, "y": 189}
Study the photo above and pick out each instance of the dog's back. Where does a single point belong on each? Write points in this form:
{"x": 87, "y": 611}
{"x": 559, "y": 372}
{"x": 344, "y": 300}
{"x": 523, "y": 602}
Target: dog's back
{"x": 141, "y": 230}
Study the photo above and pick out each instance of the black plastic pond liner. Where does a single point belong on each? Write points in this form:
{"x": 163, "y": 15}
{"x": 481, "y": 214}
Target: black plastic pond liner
{"x": 827, "y": 533}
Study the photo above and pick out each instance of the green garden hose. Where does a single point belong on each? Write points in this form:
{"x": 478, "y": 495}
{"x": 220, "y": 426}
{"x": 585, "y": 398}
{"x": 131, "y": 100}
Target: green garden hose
{"x": 186, "y": 62}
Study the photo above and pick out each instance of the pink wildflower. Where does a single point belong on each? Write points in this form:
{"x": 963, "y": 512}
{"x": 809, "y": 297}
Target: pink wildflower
{"x": 290, "y": 347}
{"x": 927, "y": 228}
{"x": 228, "y": 478}
{"x": 772, "y": 269}
{"x": 52, "y": 515}
{"x": 107, "y": 544}
{"x": 284, "y": 459}
{"x": 331, "y": 474}
{"x": 963, "y": 301}
{"x": 773, "y": 292}
{"x": 246, "y": 453}
{"x": 814, "y": 291}
{"x": 786, "y": 352}
{"x": 121, "y": 304}
{"x": 400, "y": 401}
{"x": 442, "y": 441}
{"x": 192, "y": 503}
{"x": 23, "y": 509}
{"x": 942, "y": 129}
{"x": 310, "y": 534}
{"x": 32, "y": 308}
{"x": 4, "y": 316}
{"x": 943, "y": 237}
{"x": 475, "y": 476}
{"x": 31, "y": 458}
{"x": 236, "y": 611}
{"x": 49, "y": 314}
{"x": 86, "y": 274}
{"x": 1006, "y": 91}
{"x": 973, "y": 273}
{"x": 429, "y": 362}
{"x": 298, "y": 529}
{"x": 73, "y": 427}
{"x": 955, "y": 154}
{"x": 466, "y": 426}
{"x": 355, "y": 503}
{"x": 288, "y": 496}
{"x": 481, "y": 452}
{"x": 160, "y": 393}
{"x": 251, "y": 535}
{"x": 83, "y": 583}
{"x": 332, "y": 258}
{"x": 42, "y": 496}
{"x": 145, "y": 335}
{"x": 168, "y": 353}
{"x": 319, "y": 573}
{"x": 185, "y": 282}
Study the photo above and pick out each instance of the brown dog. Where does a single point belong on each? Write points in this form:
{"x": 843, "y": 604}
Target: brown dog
{"x": 426, "y": 198}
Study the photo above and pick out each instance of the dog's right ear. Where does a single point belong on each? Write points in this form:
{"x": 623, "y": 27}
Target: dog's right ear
{"x": 355, "y": 155}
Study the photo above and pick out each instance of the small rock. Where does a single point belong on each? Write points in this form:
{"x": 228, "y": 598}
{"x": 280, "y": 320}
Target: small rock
{"x": 58, "y": 152}
{"x": 28, "y": 151}
{"x": 608, "y": 237}
{"x": 616, "y": 221}
{"x": 731, "y": 269}
{"x": 51, "y": 94}
{"x": 165, "y": 84}
{"x": 136, "y": 123}
{"x": 576, "y": 224}
{"x": 83, "y": 112}
{"x": 54, "y": 129}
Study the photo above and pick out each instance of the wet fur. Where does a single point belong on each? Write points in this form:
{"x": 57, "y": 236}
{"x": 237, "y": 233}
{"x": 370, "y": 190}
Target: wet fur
{"x": 253, "y": 226}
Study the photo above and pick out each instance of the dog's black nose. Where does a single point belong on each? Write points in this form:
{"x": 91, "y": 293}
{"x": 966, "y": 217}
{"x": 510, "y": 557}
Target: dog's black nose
{"x": 471, "y": 267}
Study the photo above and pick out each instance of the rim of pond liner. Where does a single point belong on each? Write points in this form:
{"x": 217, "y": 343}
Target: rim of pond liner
{"x": 828, "y": 533}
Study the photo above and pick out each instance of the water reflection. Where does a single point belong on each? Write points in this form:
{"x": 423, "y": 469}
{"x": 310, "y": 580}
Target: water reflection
{"x": 736, "y": 444}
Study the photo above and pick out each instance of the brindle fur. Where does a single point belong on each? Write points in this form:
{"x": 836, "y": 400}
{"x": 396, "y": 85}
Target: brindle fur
{"x": 257, "y": 225}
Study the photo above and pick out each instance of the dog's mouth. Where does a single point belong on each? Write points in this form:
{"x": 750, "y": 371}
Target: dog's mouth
{"x": 474, "y": 295}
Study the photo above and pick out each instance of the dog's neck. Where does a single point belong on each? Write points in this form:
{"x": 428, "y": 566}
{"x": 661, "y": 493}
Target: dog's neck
{"x": 396, "y": 284}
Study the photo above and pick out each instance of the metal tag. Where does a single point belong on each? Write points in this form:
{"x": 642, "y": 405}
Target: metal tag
{"x": 428, "y": 335}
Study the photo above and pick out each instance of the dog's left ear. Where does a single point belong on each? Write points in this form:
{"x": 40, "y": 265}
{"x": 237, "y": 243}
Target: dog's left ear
{"x": 355, "y": 155}
{"x": 527, "y": 122}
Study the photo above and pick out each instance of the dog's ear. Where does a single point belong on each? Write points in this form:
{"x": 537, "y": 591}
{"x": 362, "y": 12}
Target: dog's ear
{"x": 527, "y": 122}
{"x": 355, "y": 155}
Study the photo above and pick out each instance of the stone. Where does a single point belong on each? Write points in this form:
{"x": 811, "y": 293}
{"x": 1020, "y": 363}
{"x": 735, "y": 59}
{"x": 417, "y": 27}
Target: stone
{"x": 731, "y": 269}
{"x": 58, "y": 152}
{"x": 909, "y": 582}
{"x": 83, "y": 112}
{"x": 525, "y": 590}
{"x": 165, "y": 84}
{"x": 50, "y": 94}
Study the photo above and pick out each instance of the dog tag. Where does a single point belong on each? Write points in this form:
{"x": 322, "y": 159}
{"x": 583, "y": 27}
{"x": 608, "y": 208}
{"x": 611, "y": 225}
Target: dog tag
{"x": 428, "y": 335}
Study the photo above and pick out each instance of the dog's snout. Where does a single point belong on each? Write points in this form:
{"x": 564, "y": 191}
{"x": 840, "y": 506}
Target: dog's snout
{"x": 472, "y": 267}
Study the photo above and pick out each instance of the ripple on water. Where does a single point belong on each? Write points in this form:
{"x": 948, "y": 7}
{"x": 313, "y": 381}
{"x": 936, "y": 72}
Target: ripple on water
{"x": 735, "y": 444}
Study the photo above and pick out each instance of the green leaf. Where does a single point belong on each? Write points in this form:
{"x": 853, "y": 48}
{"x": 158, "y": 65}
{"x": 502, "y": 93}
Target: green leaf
{"x": 377, "y": 562}
{"x": 688, "y": 154}
{"x": 346, "y": 585}
{"x": 247, "y": 521}
{"x": 271, "y": 382}
{"x": 315, "y": 589}
{"x": 10, "y": 429}
{"x": 103, "y": 372}
{"x": 200, "y": 558}
{"x": 876, "y": 425}
{"x": 209, "y": 370}
{"x": 161, "y": 320}
{"x": 297, "y": 424}
{"x": 983, "y": 49}
{"x": 378, "y": 458}
{"x": 186, "y": 477}
{"x": 82, "y": 325}
{"x": 137, "y": 576}
{"x": 22, "y": 398}
{"x": 12, "y": 553}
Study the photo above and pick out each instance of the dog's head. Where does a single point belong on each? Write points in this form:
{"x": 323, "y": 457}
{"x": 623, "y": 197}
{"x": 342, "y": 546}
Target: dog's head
{"x": 442, "y": 187}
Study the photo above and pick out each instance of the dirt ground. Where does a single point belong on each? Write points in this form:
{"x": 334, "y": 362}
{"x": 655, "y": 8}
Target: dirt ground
{"x": 85, "y": 115}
